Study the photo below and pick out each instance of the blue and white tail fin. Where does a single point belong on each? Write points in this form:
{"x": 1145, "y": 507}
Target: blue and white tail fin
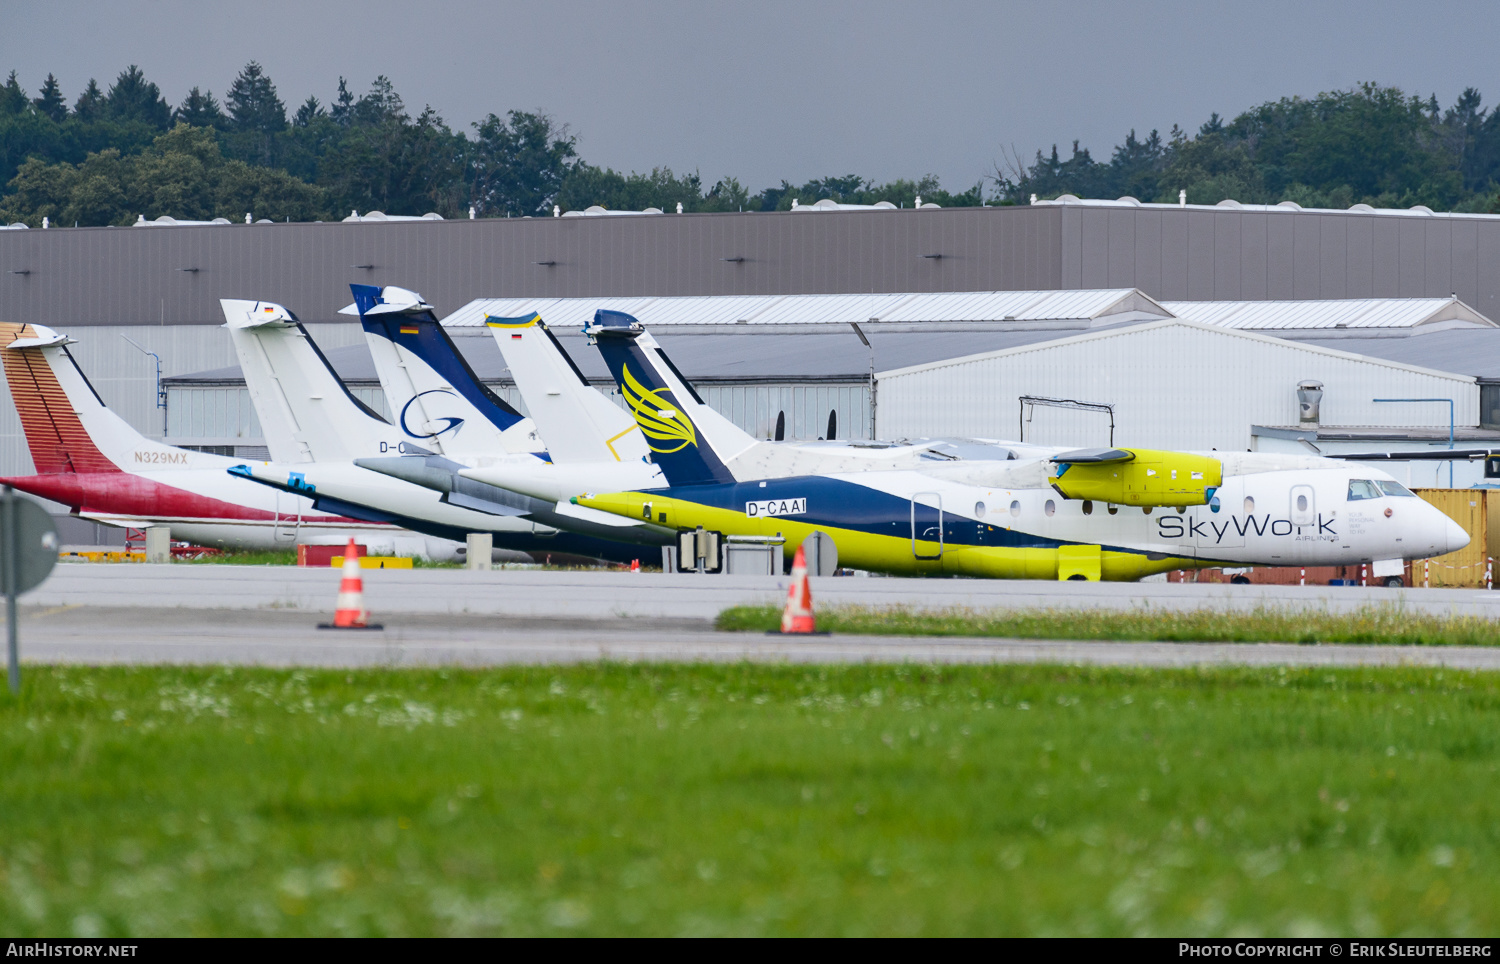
{"x": 435, "y": 397}
{"x": 577, "y": 423}
{"x": 691, "y": 442}
{"x": 306, "y": 412}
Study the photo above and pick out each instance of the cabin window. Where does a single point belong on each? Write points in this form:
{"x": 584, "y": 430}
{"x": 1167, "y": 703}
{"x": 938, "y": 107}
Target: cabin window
{"x": 646, "y": 511}
{"x": 1301, "y": 503}
{"x": 1050, "y": 507}
{"x": 1015, "y": 509}
{"x": 1249, "y": 505}
{"x": 1362, "y": 489}
{"x": 1088, "y": 507}
{"x": 979, "y": 510}
{"x": 1396, "y": 488}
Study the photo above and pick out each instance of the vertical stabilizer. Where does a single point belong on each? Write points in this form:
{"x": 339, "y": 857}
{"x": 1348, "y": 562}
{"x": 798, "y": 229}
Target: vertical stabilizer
{"x": 690, "y": 441}
{"x": 575, "y": 421}
{"x": 435, "y": 397}
{"x": 67, "y": 426}
{"x": 305, "y": 410}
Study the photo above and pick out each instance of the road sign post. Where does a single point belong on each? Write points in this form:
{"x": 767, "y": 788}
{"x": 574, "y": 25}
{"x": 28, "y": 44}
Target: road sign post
{"x": 28, "y": 551}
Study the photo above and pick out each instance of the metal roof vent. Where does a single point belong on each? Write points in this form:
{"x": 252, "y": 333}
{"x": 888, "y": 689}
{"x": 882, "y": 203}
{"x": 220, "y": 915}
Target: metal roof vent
{"x": 1309, "y": 400}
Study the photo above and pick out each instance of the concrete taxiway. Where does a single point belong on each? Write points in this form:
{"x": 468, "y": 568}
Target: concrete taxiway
{"x": 213, "y": 614}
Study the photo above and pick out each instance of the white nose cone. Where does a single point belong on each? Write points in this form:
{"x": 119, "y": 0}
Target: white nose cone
{"x": 1457, "y": 537}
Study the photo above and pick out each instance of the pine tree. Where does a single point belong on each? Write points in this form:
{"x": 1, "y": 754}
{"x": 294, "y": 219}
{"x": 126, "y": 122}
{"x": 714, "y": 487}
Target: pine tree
{"x": 133, "y": 97}
{"x": 343, "y": 106}
{"x": 253, "y": 103}
{"x": 51, "y": 100}
{"x": 200, "y": 109}
{"x": 13, "y": 99}
{"x": 90, "y": 104}
{"x": 308, "y": 112}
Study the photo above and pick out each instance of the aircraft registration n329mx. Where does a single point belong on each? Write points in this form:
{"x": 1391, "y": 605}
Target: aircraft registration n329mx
{"x": 89, "y": 459}
{"x": 1117, "y": 514}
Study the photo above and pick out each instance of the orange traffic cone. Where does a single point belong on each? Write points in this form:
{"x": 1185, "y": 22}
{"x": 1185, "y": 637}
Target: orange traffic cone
{"x": 635, "y": 565}
{"x": 797, "y": 618}
{"x": 349, "y": 612}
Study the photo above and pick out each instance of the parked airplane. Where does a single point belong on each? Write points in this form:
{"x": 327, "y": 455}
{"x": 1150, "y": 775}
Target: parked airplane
{"x": 92, "y": 461}
{"x": 1116, "y": 514}
{"x": 324, "y": 442}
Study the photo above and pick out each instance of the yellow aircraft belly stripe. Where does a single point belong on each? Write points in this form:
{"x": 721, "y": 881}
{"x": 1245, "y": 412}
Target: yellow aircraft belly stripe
{"x": 895, "y": 554}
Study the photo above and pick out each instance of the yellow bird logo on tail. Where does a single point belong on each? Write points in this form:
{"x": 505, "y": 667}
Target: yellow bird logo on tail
{"x": 659, "y": 420}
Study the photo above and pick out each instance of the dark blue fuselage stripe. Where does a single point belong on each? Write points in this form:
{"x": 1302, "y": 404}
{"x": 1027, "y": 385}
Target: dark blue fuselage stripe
{"x": 839, "y": 504}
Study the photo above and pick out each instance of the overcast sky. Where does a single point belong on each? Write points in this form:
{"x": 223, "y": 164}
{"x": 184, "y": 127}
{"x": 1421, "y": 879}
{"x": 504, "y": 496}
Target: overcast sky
{"x": 767, "y": 90}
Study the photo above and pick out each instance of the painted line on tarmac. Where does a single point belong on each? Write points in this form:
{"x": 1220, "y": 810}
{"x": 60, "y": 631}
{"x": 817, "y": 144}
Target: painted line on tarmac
{"x": 406, "y": 648}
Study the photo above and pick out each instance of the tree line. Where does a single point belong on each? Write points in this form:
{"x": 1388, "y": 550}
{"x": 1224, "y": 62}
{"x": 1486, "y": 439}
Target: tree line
{"x": 1369, "y": 145}
{"x": 118, "y": 153}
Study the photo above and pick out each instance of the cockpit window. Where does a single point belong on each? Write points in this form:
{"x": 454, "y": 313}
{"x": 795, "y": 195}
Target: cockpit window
{"x": 1395, "y": 488}
{"x": 1362, "y": 489}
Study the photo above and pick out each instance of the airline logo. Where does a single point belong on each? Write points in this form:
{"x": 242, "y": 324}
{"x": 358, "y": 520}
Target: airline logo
{"x": 776, "y": 507}
{"x": 441, "y": 423}
{"x": 660, "y": 421}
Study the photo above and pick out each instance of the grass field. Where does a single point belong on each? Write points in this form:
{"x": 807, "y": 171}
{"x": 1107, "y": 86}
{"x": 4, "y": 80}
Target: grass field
{"x": 1377, "y": 624}
{"x": 750, "y": 799}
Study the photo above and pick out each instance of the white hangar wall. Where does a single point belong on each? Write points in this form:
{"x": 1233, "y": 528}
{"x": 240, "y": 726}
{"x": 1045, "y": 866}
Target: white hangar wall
{"x": 1174, "y": 384}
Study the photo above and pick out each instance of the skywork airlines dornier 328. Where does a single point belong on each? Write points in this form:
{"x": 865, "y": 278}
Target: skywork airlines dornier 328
{"x": 1115, "y": 514}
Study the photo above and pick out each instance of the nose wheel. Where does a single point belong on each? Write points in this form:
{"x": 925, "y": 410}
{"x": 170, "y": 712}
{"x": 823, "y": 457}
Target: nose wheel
{"x": 1393, "y": 582}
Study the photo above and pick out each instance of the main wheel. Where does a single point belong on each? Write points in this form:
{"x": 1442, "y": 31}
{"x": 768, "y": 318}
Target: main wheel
{"x": 1394, "y": 582}
{"x": 1240, "y": 580}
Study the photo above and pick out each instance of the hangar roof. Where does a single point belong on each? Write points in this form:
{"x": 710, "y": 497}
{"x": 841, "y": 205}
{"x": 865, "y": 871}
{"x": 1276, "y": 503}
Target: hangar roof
{"x": 1469, "y": 351}
{"x": 730, "y": 356}
{"x": 967, "y": 308}
{"x": 1230, "y": 205}
{"x": 1390, "y": 313}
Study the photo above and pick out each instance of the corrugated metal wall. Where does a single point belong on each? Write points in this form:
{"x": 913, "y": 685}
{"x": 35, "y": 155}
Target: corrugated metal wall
{"x": 1230, "y": 255}
{"x": 1173, "y": 385}
{"x": 138, "y": 276}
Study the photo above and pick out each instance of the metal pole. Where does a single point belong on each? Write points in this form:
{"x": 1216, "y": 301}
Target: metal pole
{"x": 12, "y": 577}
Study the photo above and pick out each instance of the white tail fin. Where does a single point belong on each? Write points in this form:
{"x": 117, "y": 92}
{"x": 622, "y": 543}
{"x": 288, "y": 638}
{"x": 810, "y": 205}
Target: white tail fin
{"x": 575, "y": 421}
{"x": 306, "y": 412}
{"x": 435, "y": 397}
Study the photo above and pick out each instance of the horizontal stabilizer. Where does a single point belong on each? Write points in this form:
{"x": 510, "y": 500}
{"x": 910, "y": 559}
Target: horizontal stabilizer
{"x": 1094, "y": 455}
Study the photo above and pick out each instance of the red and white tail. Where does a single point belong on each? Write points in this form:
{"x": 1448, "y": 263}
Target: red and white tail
{"x": 51, "y": 411}
{"x": 67, "y": 425}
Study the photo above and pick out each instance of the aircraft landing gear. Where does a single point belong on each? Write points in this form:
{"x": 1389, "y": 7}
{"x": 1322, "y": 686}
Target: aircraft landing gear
{"x": 1393, "y": 582}
{"x": 1240, "y": 580}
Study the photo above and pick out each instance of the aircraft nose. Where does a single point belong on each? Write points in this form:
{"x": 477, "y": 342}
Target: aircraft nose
{"x": 1457, "y": 537}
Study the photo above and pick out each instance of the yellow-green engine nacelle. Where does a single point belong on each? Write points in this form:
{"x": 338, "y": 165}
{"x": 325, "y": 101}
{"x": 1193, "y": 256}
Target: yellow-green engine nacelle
{"x": 1137, "y": 476}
